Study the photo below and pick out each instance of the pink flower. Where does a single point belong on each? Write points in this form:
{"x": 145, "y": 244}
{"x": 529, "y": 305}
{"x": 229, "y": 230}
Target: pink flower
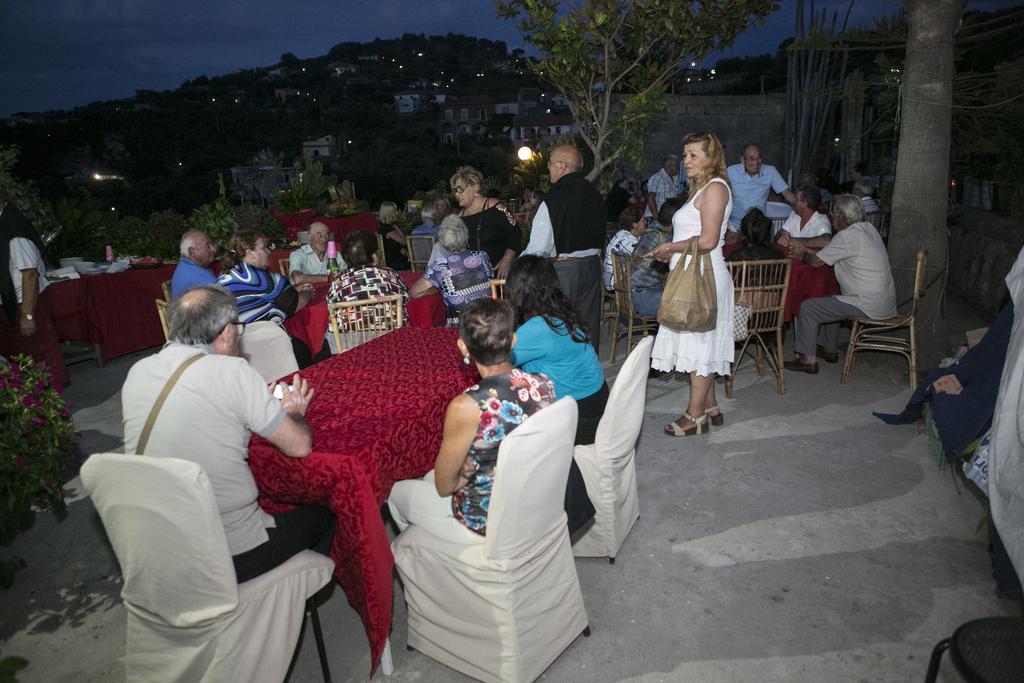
{"x": 20, "y": 462}
{"x": 58, "y": 388}
{"x": 26, "y": 400}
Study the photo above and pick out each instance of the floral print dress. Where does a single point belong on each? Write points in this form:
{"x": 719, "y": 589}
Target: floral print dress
{"x": 505, "y": 402}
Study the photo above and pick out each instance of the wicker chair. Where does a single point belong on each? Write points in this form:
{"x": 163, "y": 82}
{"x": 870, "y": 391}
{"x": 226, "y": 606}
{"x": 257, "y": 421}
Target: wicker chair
{"x": 761, "y": 285}
{"x": 419, "y": 247}
{"x": 497, "y": 289}
{"x": 161, "y": 310}
{"x": 382, "y": 260}
{"x": 867, "y": 334}
{"x": 356, "y": 322}
{"x": 285, "y": 266}
{"x": 166, "y": 287}
{"x": 880, "y": 219}
{"x": 626, "y": 316}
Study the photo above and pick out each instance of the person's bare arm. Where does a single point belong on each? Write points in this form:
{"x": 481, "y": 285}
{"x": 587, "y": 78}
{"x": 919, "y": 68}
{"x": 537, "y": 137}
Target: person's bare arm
{"x": 460, "y": 423}
{"x": 293, "y": 437}
{"x": 421, "y": 287}
{"x": 799, "y": 250}
{"x": 300, "y": 278}
{"x": 814, "y": 243}
{"x": 305, "y": 296}
{"x": 711, "y": 206}
{"x": 652, "y": 203}
{"x": 29, "y": 295}
{"x": 788, "y": 195}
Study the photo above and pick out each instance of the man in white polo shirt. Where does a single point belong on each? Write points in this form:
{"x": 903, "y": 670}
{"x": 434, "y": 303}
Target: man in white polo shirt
{"x": 207, "y": 418}
{"x": 751, "y": 180}
{"x": 862, "y": 267}
{"x": 805, "y": 222}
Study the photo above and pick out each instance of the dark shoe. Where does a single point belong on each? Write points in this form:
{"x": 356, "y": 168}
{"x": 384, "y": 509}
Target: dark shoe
{"x": 716, "y": 418}
{"x": 800, "y": 366}
{"x": 827, "y": 356}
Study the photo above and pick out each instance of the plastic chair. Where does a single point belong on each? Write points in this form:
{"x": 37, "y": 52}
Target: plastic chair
{"x": 419, "y": 247}
{"x": 634, "y": 323}
{"x": 609, "y": 464}
{"x": 161, "y": 311}
{"x": 188, "y": 618}
{"x": 269, "y": 350}
{"x": 504, "y": 607}
{"x": 357, "y": 322}
{"x": 867, "y": 334}
{"x": 989, "y": 650}
{"x": 762, "y": 285}
{"x": 497, "y": 289}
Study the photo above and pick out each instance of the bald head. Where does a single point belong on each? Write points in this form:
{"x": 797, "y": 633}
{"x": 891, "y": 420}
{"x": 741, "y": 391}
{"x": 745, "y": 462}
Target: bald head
{"x": 564, "y": 159}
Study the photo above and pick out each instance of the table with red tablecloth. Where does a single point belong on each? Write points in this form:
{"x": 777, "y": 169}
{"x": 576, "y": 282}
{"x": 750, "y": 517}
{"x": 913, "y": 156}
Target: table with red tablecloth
{"x": 295, "y": 223}
{"x": 377, "y": 417}
{"x": 805, "y": 283}
{"x": 116, "y": 312}
{"x": 310, "y": 324}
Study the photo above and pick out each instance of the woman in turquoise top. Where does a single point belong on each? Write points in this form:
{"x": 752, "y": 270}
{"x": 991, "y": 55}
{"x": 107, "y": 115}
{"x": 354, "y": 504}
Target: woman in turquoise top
{"x": 544, "y": 345}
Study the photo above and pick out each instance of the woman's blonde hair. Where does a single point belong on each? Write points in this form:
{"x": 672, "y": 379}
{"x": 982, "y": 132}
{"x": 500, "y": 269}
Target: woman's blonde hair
{"x": 387, "y": 213}
{"x": 467, "y": 175}
{"x": 716, "y": 169}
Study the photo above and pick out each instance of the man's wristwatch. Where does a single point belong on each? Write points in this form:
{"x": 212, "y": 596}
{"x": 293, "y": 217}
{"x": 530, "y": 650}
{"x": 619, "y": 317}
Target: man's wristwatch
{"x": 29, "y": 317}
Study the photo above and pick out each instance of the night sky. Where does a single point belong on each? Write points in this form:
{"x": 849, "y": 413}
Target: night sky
{"x": 57, "y": 54}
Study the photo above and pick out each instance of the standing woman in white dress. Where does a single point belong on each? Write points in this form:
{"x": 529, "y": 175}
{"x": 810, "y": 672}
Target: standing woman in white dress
{"x": 703, "y": 218}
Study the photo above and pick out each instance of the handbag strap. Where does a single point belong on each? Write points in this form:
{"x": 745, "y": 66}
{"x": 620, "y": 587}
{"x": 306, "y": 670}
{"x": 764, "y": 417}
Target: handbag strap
{"x": 155, "y": 410}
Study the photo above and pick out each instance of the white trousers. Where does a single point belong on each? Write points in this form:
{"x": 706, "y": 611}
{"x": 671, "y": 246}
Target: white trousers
{"x": 415, "y": 501}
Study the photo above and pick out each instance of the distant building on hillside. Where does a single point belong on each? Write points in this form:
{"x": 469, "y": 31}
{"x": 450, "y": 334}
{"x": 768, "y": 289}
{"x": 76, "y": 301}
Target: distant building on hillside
{"x": 339, "y": 69}
{"x": 320, "y": 148}
{"x": 463, "y": 116}
{"x": 506, "y": 108}
{"x": 536, "y": 129}
{"x": 284, "y": 93}
{"x": 408, "y": 102}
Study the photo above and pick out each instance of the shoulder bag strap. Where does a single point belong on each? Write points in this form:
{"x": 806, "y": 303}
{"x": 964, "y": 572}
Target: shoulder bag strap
{"x": 155, "y": 410}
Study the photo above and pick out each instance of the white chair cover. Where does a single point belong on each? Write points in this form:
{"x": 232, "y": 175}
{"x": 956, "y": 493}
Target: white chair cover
{"x": 269, "y": 350}
{"x": 608, "y": 465}
{"x": 188, "y": 619}
{"x": 503, "y": 610}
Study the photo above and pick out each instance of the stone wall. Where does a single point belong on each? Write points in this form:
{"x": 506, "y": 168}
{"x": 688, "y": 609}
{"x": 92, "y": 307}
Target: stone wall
{"x": 982, "y": 248}
{"x": 735, "y": 119}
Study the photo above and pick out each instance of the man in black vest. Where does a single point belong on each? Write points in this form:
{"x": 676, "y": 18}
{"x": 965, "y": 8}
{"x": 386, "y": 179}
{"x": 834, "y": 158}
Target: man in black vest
{"x": 569, "y": 228}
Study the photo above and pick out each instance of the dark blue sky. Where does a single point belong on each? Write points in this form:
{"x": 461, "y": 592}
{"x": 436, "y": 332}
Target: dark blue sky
{"x": 56, "y": 54}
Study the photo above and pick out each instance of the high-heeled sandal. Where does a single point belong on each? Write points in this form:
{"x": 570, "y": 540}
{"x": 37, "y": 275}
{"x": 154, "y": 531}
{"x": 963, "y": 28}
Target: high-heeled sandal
{"x": 716, "y": 417}
{"x": 701, "y": 426}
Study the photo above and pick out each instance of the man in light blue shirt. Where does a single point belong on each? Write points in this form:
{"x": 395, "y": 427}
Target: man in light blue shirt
{"x": 751, "y": 180}
{"x": 197, "y": 252}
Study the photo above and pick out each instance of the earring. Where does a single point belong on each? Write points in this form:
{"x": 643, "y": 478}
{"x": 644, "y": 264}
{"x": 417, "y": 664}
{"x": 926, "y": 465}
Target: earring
{"x": 465, "y": 359}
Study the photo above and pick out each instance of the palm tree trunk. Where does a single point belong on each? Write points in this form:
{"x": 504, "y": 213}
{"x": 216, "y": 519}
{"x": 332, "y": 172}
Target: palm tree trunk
{"x": 920, "y": 194}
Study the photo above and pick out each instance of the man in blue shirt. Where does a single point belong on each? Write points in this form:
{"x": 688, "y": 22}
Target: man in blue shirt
{"x": 750, "y": 180}
{"x": 197, "y": 252}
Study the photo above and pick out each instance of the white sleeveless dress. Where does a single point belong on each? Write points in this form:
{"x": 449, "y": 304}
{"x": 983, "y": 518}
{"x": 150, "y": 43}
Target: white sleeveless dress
{"x": 700, "y": 352}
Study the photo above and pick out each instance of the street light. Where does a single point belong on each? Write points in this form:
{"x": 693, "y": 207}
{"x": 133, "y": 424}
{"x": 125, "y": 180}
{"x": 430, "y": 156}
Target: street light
{"x": 524, "y": 153}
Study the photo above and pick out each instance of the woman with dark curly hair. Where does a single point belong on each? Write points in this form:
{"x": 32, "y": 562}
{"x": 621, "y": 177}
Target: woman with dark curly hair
{"x": 552, "y": 340}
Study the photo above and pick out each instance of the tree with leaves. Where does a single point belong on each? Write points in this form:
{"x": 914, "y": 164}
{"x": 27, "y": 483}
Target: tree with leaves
{"x": 597, "y": 49}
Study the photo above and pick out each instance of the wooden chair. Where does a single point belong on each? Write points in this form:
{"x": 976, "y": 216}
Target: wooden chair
{"x": 880, "y": 219}
{"x": 419, "y": 247}
{"x": 382, "y": 259}
{"x": 356, "y": 322}
{"x": 867, "y": 334}
{"x": 762, "y": 285}
{"x": 625, "y": 315}
{"x": 497, "y": 289}
{"x": 285, "y": 266}
{"x": 777, "y": 224}
{"x": 161, "y": 310}
{"x": 166, "y": 287}
{"x": 609, "y": 308}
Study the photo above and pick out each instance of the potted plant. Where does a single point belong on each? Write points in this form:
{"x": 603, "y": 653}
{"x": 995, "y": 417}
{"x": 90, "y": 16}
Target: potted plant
{"x": 37, "y": 439}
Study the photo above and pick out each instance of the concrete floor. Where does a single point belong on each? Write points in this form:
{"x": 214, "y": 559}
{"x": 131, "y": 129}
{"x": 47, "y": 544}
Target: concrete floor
{"x": 803, "y": 541}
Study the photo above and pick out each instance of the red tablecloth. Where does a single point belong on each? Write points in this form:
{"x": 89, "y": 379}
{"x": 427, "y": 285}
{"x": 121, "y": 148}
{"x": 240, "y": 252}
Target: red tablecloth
{"x": 377, "y": 417}
{"x": 117, "y": 311}
{"x": 311, "y": 323}
{"x": 805, "y": 283}
{"x": 295, "y": 223}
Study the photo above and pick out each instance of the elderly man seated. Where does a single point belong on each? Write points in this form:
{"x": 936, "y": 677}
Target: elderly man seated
{"x": 805, "y": 222}
{"x": 862, "y": 267}
{"x": 214, "y": 401}
{"x": 197, "y": 252}
{"x": 647, "y": 281}
{"x": 308, "y": 263}
{"x": 863, "y": 188}
{"x": 750, "y": 181}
